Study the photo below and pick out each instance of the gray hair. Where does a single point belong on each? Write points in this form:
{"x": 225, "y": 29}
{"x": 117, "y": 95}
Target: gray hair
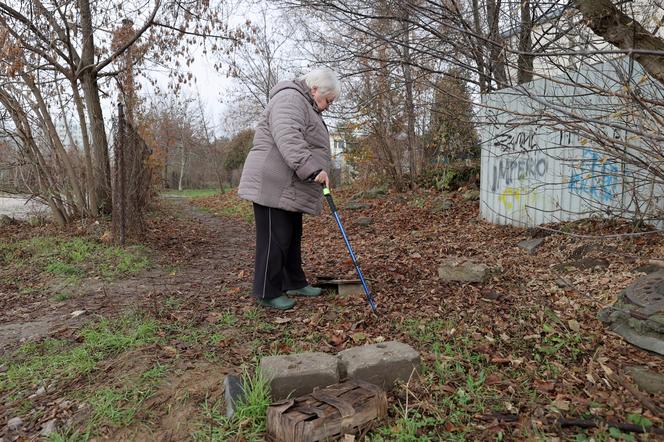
{"x": 325, "y": 80}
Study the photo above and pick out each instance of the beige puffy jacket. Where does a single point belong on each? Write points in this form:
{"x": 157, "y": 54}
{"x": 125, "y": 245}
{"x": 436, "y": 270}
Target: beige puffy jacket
{"x": 291, "y": 143}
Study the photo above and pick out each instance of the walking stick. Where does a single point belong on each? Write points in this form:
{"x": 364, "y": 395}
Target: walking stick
{"x": 333, "y": 208}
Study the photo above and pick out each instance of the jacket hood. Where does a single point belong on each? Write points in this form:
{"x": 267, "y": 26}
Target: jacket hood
{"x": 298, "y": 85}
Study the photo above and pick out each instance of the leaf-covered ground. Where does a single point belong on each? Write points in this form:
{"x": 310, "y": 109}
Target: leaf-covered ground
{"x": 501, "y": 360}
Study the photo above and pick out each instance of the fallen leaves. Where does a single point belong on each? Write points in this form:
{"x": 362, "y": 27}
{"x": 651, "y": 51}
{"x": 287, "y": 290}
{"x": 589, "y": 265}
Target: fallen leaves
{"x": 574, "y": 325}
{"x": 531, "y": 329}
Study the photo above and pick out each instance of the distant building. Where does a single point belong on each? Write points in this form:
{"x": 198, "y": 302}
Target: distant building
{"x": 341, "y": 170}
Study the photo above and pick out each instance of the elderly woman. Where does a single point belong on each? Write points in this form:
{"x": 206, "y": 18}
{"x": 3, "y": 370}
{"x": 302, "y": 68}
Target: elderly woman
{"x": 282, "y": 176}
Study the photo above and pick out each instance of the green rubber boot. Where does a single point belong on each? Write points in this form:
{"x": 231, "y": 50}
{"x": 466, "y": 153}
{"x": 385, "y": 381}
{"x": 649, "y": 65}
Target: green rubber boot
{"x": 305, "y": 291}
{"x": 280, "y": 303}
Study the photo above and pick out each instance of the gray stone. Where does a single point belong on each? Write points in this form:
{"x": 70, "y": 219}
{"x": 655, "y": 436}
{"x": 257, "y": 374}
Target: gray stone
{"x": 649, "y": 268}
{"x": 381, "y": 364}
{"x": 374, "y": 193}
{"x": 463, "y": 271}
{"x": 233, "y": 393}
{"x": 471, "y": 195}
{"x": 40, "y": 391}
{"x": 648, "y": 381}
{"x": 563, "y": 283}
{"x": 637, "y": 335}
{"x": 531, "y": 245}
{"x": 15, "y": 423}
{"x": 298, "y": 374}
{"x": 364, "y": 221}
{"x": 590, "y": 263}
{"x": 354, "y": 205}
{"x": 49, "y": 428}
{"x": 656, "y": 323}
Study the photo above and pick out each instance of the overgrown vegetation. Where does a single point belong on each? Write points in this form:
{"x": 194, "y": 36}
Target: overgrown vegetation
{"x": 248, "y": 422}
{"x": 450, "y": 176}
{"x": 192, "y": 193}
{"x": 75, "y": 258}
{"x": 229, "y": 205}
{"x": 39, "y": 363}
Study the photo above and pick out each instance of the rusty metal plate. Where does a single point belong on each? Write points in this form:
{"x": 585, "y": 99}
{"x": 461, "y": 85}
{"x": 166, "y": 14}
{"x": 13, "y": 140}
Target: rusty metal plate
{"x": 647, "y": 292}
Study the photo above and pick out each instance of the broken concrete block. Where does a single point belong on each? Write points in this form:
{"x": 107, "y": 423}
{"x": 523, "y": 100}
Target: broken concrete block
{"x": 381, "y": 364}
{"x": 471, "y": 195}
{"x": 647, "y": 380}
{"x": 233, "y": 393}
{"x": 351, "y": 289}
{"x": 463, "y": 271}
{"x": 298, "y": 374}
{"x": 531, "y": 245}
{"x": 354, "y": 205}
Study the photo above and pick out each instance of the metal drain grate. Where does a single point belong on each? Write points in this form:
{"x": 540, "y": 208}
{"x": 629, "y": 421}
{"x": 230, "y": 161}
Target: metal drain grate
{"x": 647, "y": 292}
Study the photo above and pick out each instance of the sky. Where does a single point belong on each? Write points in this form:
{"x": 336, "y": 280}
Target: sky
{"x": 214, "y": 87}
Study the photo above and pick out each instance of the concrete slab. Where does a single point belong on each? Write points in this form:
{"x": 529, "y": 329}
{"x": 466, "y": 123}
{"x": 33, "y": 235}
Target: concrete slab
{"x": 381, "y": 364}
{"x": 298, "y": 374}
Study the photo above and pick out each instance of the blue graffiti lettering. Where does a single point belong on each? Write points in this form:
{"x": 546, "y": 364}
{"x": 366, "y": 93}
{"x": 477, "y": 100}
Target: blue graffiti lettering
{"x": 597, "y": 177}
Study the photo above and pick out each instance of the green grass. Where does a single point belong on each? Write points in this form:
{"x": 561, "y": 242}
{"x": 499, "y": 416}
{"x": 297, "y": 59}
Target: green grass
{"x": 242, "y": 209}
{"x": 249, "y": 420}
{"x": 192, "y": 193}
{"x": 60, "y": 297}
{"x": 118, "y": 407}
{"x": 228, "y": 319}
{"x": 73, "y": 258}
{"x": 41, "y": 362}
{"x": 115, "y": 407}
{"x": 409, "y": 427}
{"x": 426, "y": 331}
{"x": 456, "y": 377}
{"x": 559, "y": 343}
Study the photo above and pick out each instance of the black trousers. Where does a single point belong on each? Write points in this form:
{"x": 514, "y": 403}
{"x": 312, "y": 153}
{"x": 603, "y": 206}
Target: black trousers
{"x": 278, "y": 264}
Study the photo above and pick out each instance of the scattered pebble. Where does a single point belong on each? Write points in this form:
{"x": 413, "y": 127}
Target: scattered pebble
{"x": 15, "y": 423}
{"x": 49, "y": 428}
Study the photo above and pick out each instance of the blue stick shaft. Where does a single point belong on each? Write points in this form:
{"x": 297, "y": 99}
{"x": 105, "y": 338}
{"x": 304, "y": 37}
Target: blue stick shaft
{"x": 370, "y": 299}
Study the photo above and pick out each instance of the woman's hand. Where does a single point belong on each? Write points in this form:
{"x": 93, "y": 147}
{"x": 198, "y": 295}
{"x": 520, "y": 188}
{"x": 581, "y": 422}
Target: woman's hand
{"x": 322, "y": 178}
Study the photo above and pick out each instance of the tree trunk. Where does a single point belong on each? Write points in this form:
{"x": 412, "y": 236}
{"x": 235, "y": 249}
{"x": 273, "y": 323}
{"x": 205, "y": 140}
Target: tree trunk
{"x": 59, "y": 149}
{"x": 525, "y": 62}
{"x": 496, "y": 44}
{"x": 478, "y": 49}
{"x": 102, "y": 165}
{"x": 624, "y": 32}
{"x": 183, "y": 161}
{"x": 47, "y": 184}
{"x": 89, "y": 170}
{"x": 410, "y": 107}
{"x": 88, "y": 78}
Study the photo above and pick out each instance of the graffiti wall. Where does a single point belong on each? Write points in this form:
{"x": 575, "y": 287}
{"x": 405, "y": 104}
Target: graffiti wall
{"x": 553, "y": 150}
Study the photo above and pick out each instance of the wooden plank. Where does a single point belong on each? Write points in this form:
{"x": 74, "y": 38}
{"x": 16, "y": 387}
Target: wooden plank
{"x": 328, "y": 413}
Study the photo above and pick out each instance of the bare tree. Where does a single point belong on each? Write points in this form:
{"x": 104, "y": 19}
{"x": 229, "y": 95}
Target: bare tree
{"x": 66, "y": 44}
{"x": 625, "y": 32}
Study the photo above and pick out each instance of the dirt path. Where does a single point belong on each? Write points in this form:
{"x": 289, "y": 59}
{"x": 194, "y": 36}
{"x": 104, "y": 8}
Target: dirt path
{"x": 222, "y": 249}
